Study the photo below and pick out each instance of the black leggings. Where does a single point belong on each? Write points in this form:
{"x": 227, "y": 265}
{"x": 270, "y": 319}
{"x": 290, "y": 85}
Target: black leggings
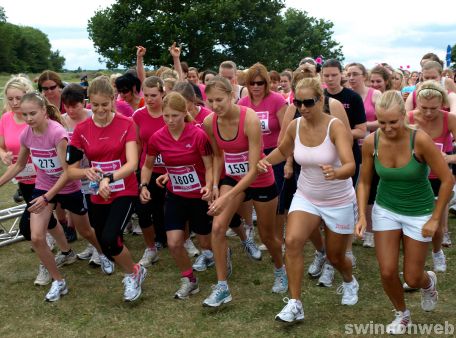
{"x": 109, "y": 222}
{"x": 24, "y": 223}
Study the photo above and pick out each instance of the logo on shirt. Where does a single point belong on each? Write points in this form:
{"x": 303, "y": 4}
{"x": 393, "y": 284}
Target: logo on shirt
{"x": 188, "y": 145}
{"x": 347, "y": 105}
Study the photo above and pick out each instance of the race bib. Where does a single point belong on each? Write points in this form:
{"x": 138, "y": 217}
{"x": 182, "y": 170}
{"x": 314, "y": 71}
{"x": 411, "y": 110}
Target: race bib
{"x": 184, "y": 178}
{"x": 28, "y": 173}
{"x": 237, "y": 164}
{"x": 110, "y": 167}
{"x": 264, "y": 121}
{"x": 47, "y": 160}
{"x": 159, "y": 161}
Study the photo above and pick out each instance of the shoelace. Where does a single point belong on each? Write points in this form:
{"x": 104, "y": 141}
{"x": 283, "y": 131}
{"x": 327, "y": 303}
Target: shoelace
{"x": 400, "y": 318}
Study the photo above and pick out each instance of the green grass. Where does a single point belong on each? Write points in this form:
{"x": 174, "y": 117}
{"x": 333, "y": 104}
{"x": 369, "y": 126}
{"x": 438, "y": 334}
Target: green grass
{"x": 94, "y": 306}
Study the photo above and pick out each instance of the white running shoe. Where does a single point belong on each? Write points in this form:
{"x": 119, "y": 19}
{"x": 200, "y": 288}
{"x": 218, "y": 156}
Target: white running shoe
{"x": 251, "y": 249}
{"x": 439, "y": 261}
{"x": 192, "y": 250}
{"x": 262, "y": 247}
{"x": 292, "y": 312}
{"x": 316, "y": 267}
{"x": 446, "y": 242}
{"x": 280, "y": 281}
{"x": 107, "y": 266}
{"x": 368, "y": 241}
{"x": 43, "y": 277}
{"x": 186, "y": 289}
{"x": 351, "y": 257}
{"x": 95, "y": 259}
{"x": 136, "y": 229}
{"x": 400, "y": 324}
{"x": 203, "y": 262}
{"x": 132, "y": 284}
{"x": 58, "y": 288}
{"x": 327, "y": 275}
{"x": 429, "y": 297}
{"x": 50, "y": 241}
{"x": 349, "y": 292}
{"x": 219, "y": 295}
{"x": 86, "y": 253}
{"x": 149, "y": 257}
{"x": 230, "y": 233}
{"x": 61, "y": 259}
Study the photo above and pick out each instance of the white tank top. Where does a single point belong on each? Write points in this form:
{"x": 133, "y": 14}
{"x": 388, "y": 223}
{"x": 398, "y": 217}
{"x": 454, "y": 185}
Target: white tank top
{"x": 311, "y": 183}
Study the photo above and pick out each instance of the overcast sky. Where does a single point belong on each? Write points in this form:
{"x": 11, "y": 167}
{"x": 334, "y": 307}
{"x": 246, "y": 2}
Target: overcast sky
{"x": 397, "y": 32}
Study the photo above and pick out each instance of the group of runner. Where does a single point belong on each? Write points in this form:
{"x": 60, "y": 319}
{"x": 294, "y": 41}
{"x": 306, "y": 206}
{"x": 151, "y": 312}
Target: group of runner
{"x": 200, "y": 154}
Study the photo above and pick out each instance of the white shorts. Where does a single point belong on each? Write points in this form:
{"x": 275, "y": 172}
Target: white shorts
{"x": 340, "y": 220}
{"x": 411, "y": 226}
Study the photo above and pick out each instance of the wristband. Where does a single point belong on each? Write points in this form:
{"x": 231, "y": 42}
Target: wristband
{"x": 215, "y": 187}
{"x": 142, "y": 185}
{"x": 45, "y": 199}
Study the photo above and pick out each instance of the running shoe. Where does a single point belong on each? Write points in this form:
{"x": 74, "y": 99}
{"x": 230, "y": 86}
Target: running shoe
{"x": 58, "y": 288}
{"x": 95, "y": 259}
{"x": 327, "y": 276}
{"x": 149, "y": 257}
{"x": 218, "y": 296}
{"x": 203, "y": 262}
{"x": 86, "y": 254}
{"x": 230, "y": 233}
{"x": 349, "y": 292}
{"x": 136, "y": 229}
{"x": 446, "y": 242}
{"x": 430, "y": 296}
{"x": 439, "y": 261}
{"x": 132, "y": 284}
{"x": 280, "y": 281}
{"x": 43, "y": 277}
{"x": 192, "y": 250}
{"x": 187, "y": 288}
{"x": 368, "y": 241}
{"x": 400, "y": 324}
{"x": 107, "y": 266}
{"x": 292, "y": 312}
{"x": 316, "y": 267}
{"x": 251, "y": 249}
{"x": 249, "y": 231}
{"x": 61, "y": 259}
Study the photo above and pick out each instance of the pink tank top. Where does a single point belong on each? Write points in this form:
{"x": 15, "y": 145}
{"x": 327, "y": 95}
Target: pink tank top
{"x": 369, "y": 106}
{"x": 311, "y": 183}
{"x": 236, "y": 154}
{"x": 443, "y": 142}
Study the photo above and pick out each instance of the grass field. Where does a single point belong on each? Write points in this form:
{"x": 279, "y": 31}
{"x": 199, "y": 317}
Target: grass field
{"x": 94, "y": 306}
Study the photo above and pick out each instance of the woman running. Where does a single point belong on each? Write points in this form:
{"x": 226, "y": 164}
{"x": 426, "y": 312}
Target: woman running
{"x": 108, "y": 140}
{"x": 187, "y": 155}
{"x": 322, "y": 146}
{"x": 235, "y": 135}
{"x": 404, "y": 209}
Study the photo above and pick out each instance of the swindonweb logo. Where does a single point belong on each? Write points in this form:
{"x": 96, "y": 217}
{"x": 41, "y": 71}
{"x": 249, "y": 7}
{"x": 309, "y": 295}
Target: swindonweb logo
{"x": 372, "y": 328}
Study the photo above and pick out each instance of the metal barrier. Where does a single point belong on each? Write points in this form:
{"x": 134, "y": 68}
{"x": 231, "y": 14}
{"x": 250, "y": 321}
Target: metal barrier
{"x": 9, "y": 233}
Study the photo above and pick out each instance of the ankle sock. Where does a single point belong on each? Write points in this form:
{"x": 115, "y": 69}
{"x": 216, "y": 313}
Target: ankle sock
{"x": 189, "y": 274}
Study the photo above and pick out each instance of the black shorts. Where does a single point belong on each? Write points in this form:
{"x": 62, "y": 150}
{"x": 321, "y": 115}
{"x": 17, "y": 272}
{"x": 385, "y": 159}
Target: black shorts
{"x": 435, "y": 185}
{"x": 179, "y": 210}
{"x": 74, "y": 202}
{"x": 262, "y": 194}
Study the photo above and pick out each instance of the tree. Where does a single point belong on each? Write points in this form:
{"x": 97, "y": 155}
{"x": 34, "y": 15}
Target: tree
{"x": 56, "y": 61}
{"x": 245, "y": 31}
{"x": 2, "y": 15}
{"x": 453, "y": 57}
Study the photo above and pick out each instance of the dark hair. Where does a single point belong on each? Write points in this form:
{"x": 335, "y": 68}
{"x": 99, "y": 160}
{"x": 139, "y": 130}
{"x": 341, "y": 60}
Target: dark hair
{"x": 432, "y": 57}
{"x": 274, "y": 75}
{"x": 52, "y": 111}
{"x": 184, "y": 66}
{"x": 332, "y": 63}
{"x": 187, "y": 90}
{"x": 73, "y": 94}
{"x": 382, "y": 71}
{"x": 154, "y": 82}
{"x": 49, "y": 75}
{"x": 128, "y": 81}
{"x": 208, "y": 72}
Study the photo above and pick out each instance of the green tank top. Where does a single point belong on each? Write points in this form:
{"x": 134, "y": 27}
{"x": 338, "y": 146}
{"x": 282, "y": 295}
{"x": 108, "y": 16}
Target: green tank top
{"x": 406, "y": 190}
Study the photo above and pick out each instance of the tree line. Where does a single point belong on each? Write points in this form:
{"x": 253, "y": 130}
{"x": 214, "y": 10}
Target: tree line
{"x": 209, "y": 32}
{"x": 25, "y": 49}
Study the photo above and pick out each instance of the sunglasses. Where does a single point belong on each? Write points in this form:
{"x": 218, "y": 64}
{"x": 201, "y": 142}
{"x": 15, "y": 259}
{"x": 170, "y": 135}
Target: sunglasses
{"x": 258, "y": 83}
{"x": 48, "y": 88}
{"x": 308, "y": 103}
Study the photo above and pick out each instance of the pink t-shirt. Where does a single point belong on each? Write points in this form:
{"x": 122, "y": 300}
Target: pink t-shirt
{"x": 10, "y": 130}
{"x": 183, "y": 158}
{"x": 148, "y": 126}
{"x": 124, "y": 108}
{"x": 43, "y": 151}
{"x": 105, "y": 148}
{"x": 267, "y": 113}
{"x": 199, "y": 118}
{"x": 236, "y": 154}
{"x": 369, "y": 106}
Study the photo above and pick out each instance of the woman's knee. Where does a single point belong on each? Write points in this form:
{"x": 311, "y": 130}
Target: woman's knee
{"x": 111, "y": 245}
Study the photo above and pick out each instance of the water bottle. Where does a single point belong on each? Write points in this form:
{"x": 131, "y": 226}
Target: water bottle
{"x": 94, "y": 185}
